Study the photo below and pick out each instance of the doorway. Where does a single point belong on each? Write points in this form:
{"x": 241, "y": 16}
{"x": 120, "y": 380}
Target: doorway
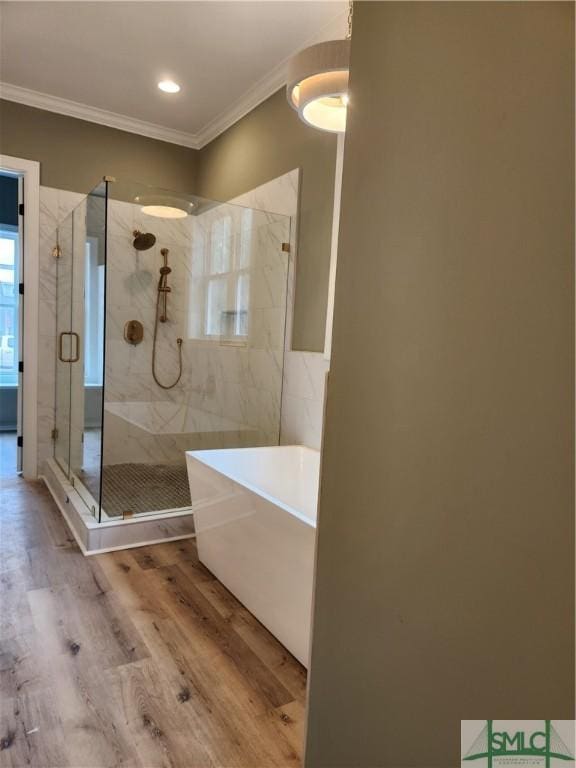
{"x": 19, "y": 302}
{"x": 11, "y": 322}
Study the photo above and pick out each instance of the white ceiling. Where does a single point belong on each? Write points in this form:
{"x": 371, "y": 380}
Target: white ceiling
{"x": 227, "y": 56}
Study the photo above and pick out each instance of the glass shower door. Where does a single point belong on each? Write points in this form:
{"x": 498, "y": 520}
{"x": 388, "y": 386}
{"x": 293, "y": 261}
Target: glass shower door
{"x": 80, "y": 296}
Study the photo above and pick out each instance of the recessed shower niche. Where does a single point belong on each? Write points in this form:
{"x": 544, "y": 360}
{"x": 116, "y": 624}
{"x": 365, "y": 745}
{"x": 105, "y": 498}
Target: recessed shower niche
{"x": 171, "y": 315}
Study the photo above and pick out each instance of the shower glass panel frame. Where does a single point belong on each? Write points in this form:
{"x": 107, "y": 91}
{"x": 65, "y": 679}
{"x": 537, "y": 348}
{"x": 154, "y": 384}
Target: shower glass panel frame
{"x": 212, "y": 324}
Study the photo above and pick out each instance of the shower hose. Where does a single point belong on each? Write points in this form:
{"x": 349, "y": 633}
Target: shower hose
{"x": 178, "y": 342}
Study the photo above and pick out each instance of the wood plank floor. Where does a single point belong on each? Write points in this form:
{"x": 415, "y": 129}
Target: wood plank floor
{"x": 135, "y": 658}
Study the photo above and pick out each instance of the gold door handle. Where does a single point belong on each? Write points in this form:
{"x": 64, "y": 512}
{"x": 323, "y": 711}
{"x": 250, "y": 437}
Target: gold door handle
{"x": 74, "y": 358}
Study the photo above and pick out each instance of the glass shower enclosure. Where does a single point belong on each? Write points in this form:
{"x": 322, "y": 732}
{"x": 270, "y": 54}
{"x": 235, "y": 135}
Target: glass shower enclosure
{"x": 171, "y": 313}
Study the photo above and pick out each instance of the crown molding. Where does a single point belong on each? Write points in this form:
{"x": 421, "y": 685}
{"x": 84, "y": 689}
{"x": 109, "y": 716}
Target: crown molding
{"x": 254, "y": 96}
{"x": 45, "y": 101}
{"x": 258, "y": 93}
{"x": 269, "y": 84}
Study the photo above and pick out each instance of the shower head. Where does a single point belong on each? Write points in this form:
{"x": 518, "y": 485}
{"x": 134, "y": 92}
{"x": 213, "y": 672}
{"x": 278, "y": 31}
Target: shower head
{"x": 143, "y": 240}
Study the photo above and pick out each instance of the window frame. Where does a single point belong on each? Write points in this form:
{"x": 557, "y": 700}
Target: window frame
{"x": 239, "y": 268}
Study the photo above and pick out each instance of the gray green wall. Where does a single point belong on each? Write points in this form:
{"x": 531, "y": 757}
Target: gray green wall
{"x": 270, "y": 141}
{"x": 75, "y": 154}
{"x": 445, "y": 567}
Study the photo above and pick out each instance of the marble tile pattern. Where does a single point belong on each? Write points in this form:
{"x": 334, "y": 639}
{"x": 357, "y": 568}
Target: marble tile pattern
{"x": 242, "y": 383}
{"x": 150, "y": 434}
{"x": 304, "y": 373}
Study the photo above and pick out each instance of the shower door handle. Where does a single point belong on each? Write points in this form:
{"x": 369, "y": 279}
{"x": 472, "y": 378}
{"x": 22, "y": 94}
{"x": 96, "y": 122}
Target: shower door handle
{"x": 74, "y": 358}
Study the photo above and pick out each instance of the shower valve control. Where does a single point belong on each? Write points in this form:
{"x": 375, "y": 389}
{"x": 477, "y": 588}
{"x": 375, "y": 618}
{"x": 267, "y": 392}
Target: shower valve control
{"x": 133, "y": 332}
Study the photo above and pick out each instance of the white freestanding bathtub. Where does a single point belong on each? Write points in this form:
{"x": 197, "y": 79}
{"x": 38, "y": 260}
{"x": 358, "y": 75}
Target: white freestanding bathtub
{"x": 255, "y": 518}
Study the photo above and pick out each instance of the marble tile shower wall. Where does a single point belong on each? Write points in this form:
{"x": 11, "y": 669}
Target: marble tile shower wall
{"x": 132, "y": 281}
{"x": 242, "y": 382}
{"x": 304, "y": 372}
{"x": 250, "y": 376}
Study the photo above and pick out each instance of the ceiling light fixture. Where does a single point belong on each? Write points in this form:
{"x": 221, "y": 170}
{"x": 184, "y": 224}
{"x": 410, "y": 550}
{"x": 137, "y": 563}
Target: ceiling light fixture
{"x": 168, "y": 86}
{"x": 317, "y": 85}
{"x": 164, "y": 206}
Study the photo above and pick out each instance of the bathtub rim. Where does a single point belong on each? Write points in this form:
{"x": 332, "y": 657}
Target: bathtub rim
{"x": 203, "y": 455}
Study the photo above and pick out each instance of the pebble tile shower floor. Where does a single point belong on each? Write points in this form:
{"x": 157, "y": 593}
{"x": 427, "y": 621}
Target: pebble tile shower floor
{"x": 133, "y": 489}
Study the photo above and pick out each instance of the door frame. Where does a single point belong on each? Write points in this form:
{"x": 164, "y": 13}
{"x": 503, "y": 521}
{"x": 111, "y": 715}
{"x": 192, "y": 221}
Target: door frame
{"x": 29, "y": 170}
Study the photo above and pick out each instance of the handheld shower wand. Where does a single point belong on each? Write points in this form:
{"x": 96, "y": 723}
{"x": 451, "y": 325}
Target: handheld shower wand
{"x": 163, "y": 287}
{"x": 162, "y": 317}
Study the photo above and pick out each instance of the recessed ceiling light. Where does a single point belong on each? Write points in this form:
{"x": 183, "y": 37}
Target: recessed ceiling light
{"x": 168, "y": 86}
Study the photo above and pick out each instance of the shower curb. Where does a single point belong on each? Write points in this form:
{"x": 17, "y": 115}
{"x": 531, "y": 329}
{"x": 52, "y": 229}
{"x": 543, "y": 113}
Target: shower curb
{"x": 95, "y": 538}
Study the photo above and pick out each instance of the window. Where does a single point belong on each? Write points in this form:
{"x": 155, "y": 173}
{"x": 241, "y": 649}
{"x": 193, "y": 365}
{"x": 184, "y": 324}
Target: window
{"x": 220, "y": 295}
{"x": 9, "y": 279}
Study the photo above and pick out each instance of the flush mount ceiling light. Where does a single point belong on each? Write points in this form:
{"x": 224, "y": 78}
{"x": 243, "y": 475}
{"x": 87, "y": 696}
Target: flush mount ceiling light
{"x": 168, "y": 86}
{"x": 164, "y": 207}
{"x": 317, "y": 86}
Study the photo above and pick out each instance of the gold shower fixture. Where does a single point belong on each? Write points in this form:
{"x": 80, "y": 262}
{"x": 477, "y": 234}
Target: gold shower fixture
{"x": 143, "y": 240}
{"x": 163, "y": 287}
{"x": 162, "y": 317}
